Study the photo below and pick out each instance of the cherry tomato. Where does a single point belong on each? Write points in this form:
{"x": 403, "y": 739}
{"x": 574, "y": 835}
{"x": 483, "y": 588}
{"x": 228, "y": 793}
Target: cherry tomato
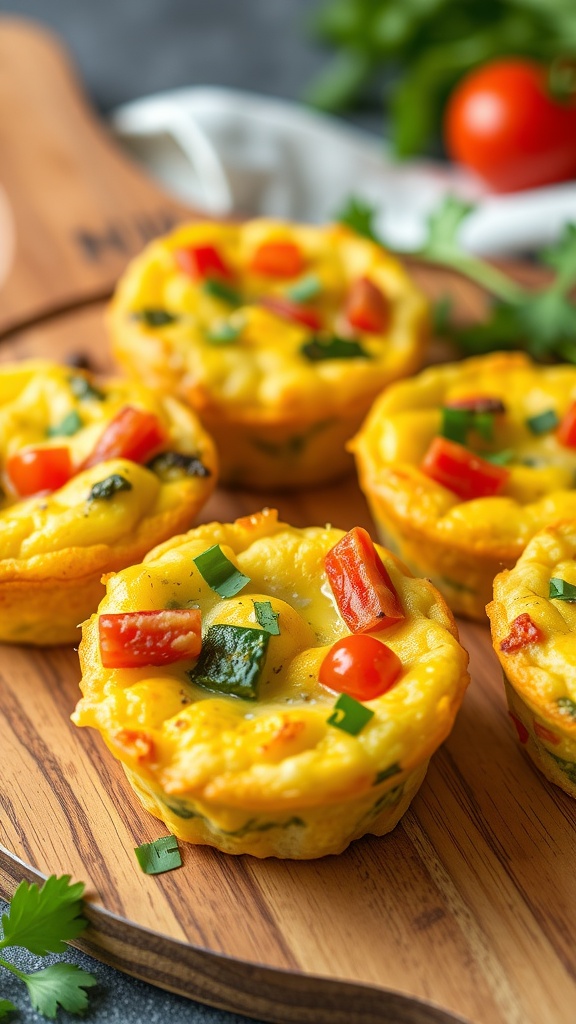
{"x": 135, "y": 639}
{"x": 290, "y": 310}
{"x": 367, "y": 308}
{"x": 202, "y": 261}
{"x": 503, "y": 123}
{"x": 277, "y": 259}
{"x": 132, "y": 434}
{"x": 39, "y": 469}
{"x": 567, "y": 429}
{"x": 364, "y": 592}
{"x": 463, "y": 472}
{"x": 360, "y": 666}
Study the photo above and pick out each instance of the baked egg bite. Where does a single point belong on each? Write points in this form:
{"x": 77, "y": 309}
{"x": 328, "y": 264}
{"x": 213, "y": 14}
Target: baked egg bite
{"x": 533, "y": 619}
{"x": 280, "y": 336}
{"x": 272, "y": 690}
{"x": 464, "y": 463}
{"x": 92, "y": 475}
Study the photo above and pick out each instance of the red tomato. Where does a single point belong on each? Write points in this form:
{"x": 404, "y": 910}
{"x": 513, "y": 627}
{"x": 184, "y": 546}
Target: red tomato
{"x": 360, "y": 666}
{"x": 277, "y": 259}
{"x": 39, "y": 469}
{"x": 290, "y": 310}
{"x": 201, "y": 261}
{"x": 132, "y": 434}
{"x": 503, "y": 123}
{"x": 522, "y": 632}
{"x": 567, "y": 429}
{"x": 367, "y": 309}
{"x": 462, "y": 472}
{"x": 363, "y": 590}
{"x": 136, "y": 639}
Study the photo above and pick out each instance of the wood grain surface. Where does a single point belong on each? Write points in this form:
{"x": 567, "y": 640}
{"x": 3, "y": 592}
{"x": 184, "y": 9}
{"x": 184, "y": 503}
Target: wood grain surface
{"x": 464, "y": 912}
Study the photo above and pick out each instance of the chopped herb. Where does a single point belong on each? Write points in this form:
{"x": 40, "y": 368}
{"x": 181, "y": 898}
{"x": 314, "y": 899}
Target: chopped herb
{"x": 502, "y": 458}
{"x": 360, "y": 216}
{"x": 232, "y": 660}
{"x": 160, "y": 856}
{"x": 219, "y": 572}
{"x": 560, "y": 590}
{"x": 219, "y": 290}
{"x": 82, "y": 389}
{"x": 171, "y": 466}
{"x": 70, "y": 425}
{"x": 155, "y": 317}
{"x": 349, "y": 715}
{"x": 543, "y": 423}
{"x": 107, "y": 488}
{"x": 333, "y": 348}
{"x": 224, "y": 334}
{"x": 387, "y": 773}
{"x": 567, "y": 706}
{"x": 305, "y": 289}
{"x": 457, "y": 423}
{"x": 267, "y": 617}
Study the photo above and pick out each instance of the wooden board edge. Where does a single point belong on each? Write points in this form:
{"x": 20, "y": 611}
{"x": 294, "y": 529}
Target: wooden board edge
{"x": 221, "y": 981}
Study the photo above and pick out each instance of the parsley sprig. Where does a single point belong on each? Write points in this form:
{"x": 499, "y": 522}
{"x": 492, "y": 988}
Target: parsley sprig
{"x": 43, "y": 921}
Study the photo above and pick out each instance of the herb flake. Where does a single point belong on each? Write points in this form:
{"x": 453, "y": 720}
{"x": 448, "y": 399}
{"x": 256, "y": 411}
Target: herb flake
{"x": 560, "y": 590}
{"x": 155, "y": 317}
{"x": 67, "y": 427}
{"x": 267, "y": 617}
{"x": 543, "y": 423}
{"x": 219, "y": 572}
{"x": 83, "y": 390}
{"x": 160, "y": 856}
{"x": 567, "y": 707}
{"x": 319, "y": 349}
{"x": 218, "y": 290}
{"x": 349, "y": 715}
{"x": 105, "y": 489}
{"x": 232, "y": 660}
{"x": 171, "y": 466}
{"x": 307, "y": 288}
{"x": 224, "y": 334}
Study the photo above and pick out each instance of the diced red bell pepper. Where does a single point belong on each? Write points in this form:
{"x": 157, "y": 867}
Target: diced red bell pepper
{"x": 133, "y": 434}
{"x": 478, "y": 404}
{"x": 523, "y": 734}
{"x": 202, "y": 261}
{"x": 360, "y": 666}
{"x": 522, "y": 632}
{"x": 39, "y": 469}
{"x": 290, "y": 310}
{"x": 567, "y": 429}
{"x": 546, "y": 734}
{"x": 364, "y": 592}
{"x": 136, "y": 639}
{"x": 463, "y": 472}
{"x": 367, "y": 309}
{"x": 277, "y": 259}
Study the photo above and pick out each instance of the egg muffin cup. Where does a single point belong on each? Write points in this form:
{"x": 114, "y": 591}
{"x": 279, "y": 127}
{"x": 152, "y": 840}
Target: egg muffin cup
{"x": 533, "y": 620}
{"x": 92, "y": 476}
{"x": 239, "y": 742}
{"x": 464, "y": 463}
{"x": 278, "y": 335}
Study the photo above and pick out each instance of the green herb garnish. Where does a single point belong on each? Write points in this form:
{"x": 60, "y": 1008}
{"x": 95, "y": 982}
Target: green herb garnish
{"x": 160, "y": 856}
{"x": 107, "y": 488}
{"x": 43, "y": 921}
{"x": 170, "y": 466}
{"x": 82, "y": 389}
{"x": 502, "y": 458}
{"x": 267, "y": 617}
{"x": 387, "y": 773}
{"x": 218, "y": 290}
{"x": 543, "y": 423}
{"x": 560, "y": 590}
{"x": 359, "y": 216}
{"x": 305, "y": 289}
{"x": 457, "y": 423}
{"x": 224, "y": 334}
{"x": 70, "y": 425}
{"x": 155, "y": 317}
{"x": 567, "y": 706}
{"x": 349, "y": 715}
{"x": 333, "y": 348}
{"x": 219, "y": 572}
{"x": 232, "y": 660}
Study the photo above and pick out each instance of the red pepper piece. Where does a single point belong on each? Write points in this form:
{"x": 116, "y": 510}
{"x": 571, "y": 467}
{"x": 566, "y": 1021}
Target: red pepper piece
{"x": 462, "y": 472}
{"x": 367, "y": 308}
{"x": 136, "y": 639}
{"x": 523, "y": 734}
{"x": 546, "y": 734}
{"x": 202, "y": 261}
{"x": 360, "y": 666}
{"x": 364, "y": 592}
{"x": 133, "y": 434}
{"x": 39, "y": 469}
{"x": 478, "y": 403}
{"x": 522, "y": 632}
{"x": 290, "y": 310}
{"x": 567, "y": 429}
{"x": 277, "y": 259}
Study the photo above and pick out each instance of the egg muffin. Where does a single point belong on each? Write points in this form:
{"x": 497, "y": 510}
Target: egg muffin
{"x": 92, "y": 475}
{"x": 533, "y": 619}
{"x": 272, "y": 690}
{"x": 279, "y": 336}
{"x": 465, "y": 463}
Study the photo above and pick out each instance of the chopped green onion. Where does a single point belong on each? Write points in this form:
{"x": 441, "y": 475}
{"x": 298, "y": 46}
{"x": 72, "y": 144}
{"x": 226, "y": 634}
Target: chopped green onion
{"x": 456, "y": 424}
{"x": 560, "y": 590}
{"x": 219, "y": 290}
{"x": 499, "y": 458}
{"x": 543, "y": 423}
{"x": 107, "y": 488}
{"x": 155, "y": 317}
{"x": 308, "y": 288}
{"x": 349, "y": 715}
{"x": 224, "y": 334}
{"x": 483, "y": 422}
{"x": 333, "y": 348}
{"x": 161, "y": 855}
{"x": 232, "y": 660}
{"x": 267, "y": 617}
{"x": 219, "y": 572}
{"x": 567, "y": 706}
{"x": 70, "y": 425}
{"x": 82, "y": 389}
{"x": 170, "y": 466}
{"x": 387, "y": 773}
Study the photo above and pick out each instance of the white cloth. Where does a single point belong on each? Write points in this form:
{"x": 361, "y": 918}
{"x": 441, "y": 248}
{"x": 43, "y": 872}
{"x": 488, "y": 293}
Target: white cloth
{"x": 235, "y": 152}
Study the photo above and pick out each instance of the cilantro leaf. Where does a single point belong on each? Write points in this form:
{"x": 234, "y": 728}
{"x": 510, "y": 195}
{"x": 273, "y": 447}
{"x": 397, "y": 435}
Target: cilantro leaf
{"x": 59, "y": 985}
{"x": 6, "y": 1007}
{"x": 44, "y": 920}
{"x": 444, "y": 224}
{"x": 562, "y": 258}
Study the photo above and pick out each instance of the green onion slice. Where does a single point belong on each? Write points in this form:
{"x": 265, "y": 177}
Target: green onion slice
{"x": 232, "y": 660}
{"x": 70, "y": 425}
{"x": 155, "y": 317}
{"x": 543, "y": 423}
{"x": 349, "y": 715}
{"x": 224, "y": 333}
{"x": 560, "y": 590}
{"x": 567, "y": 706}
{"x": 267, "y": 617}
{"x": 305, "y": 289}
{"x": 82, "y": 389}
{"x": 456, "y": 424}
{"x": 333, "y": 348}
{"x": 219, "y": 572}
{"x": 170, "y": 466}
{"x": 107, "y": 488}
{"x": 161, "y": 855}
{"x": 499, "y": 458}
{"x": 219, "y": 290}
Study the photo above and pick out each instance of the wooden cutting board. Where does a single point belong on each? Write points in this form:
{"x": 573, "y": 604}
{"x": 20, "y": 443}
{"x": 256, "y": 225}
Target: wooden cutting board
{"x": 466, "y": 911}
